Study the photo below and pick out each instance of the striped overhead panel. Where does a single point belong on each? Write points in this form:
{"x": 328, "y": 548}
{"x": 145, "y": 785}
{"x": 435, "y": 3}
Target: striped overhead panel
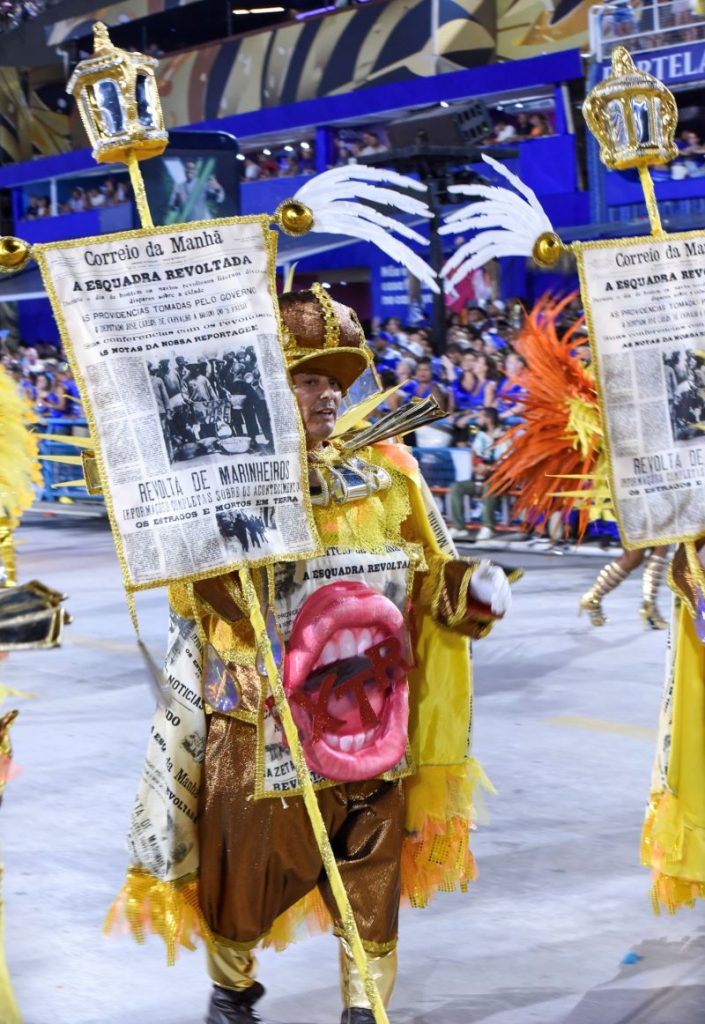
{"x": 341, "y": 53}
{"x": 14, "y": 118}
{"x": 118, "y": 14}
{"x": 49, "y": 106}
{"x": 528, "y": 28}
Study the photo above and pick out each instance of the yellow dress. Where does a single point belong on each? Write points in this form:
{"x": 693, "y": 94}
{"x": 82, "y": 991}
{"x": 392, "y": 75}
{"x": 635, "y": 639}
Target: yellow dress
{"x": 673, "y": 839}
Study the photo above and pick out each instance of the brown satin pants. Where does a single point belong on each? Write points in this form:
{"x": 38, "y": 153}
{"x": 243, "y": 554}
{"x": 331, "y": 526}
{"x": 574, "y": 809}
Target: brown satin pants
{"x": 259, "y": 857}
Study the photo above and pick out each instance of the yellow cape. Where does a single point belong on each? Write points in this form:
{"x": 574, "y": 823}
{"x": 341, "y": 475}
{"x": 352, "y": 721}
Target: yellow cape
{"x": 673, "y": 839}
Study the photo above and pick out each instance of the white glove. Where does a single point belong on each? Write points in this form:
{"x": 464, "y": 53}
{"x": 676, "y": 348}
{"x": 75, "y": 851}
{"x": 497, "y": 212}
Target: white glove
{"x": 489, "y": 585}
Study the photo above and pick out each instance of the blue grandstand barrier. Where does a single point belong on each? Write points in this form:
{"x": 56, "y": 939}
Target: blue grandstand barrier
{"x": 57, "y": 475}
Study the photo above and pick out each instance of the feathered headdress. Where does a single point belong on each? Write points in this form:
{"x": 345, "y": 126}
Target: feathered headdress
{"x": 340, "y": 201}
{"x": 555, "y": 460}
{"x": 506, "y": 222}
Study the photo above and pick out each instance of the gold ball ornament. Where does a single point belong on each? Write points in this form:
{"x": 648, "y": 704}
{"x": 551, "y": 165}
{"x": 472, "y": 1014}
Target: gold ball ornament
{"x": 14, "y": 254}
{"x": 294, "y": 217}
{"x": 548, "y": 249}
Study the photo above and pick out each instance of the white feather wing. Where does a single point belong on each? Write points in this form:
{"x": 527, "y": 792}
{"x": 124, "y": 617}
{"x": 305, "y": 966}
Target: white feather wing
{"x": 339, "y": 201}
{"x": 505, "y": 224}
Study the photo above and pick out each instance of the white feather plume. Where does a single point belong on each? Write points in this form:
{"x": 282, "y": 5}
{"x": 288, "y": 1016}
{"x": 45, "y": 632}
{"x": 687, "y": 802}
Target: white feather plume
{"x": 505, "y": 224}
{"x": 334, "y": 198}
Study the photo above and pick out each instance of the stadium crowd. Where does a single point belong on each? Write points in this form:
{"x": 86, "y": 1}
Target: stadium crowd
{"x": 477, "y": 382}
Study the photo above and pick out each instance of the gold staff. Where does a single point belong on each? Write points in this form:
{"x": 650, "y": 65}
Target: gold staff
{"x": 119, "y": 104}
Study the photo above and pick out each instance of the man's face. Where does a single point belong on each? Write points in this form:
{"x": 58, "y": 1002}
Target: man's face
{"x": 423, "y": 373}
{"x": 190, "y": 170}
{"x": 319, "y": 398}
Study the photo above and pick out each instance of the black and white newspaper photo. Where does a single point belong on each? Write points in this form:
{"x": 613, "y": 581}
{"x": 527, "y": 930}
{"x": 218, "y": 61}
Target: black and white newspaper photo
{"x": 645, "y": 306}
{"x": 174, "y": 338}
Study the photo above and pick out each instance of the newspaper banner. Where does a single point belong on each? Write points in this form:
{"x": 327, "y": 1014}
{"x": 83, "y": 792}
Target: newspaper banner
{"x": 173, "y": 337}
{"x": 644, "y": 302}
{"x": 163, "y": 838}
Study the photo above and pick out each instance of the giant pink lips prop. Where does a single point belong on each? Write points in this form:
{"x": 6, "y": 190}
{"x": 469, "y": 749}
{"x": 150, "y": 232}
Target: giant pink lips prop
{"x": 345, "y": 676}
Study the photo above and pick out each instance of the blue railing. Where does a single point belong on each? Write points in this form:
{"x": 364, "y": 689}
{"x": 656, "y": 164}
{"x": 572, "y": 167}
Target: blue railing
{"x": 56, "y": 475}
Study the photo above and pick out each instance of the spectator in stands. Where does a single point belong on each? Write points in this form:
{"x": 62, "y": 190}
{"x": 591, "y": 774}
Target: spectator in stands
{"x": 268, "y": 167}
{"x": 371, "y": 144}
{"x": 251, "y": 170}
{"x": 470, "y": 393}
{"x": 523, "y": 128}
{"x": 30, "y": 361}
{"x": 510, "y": 390}
{"x": 49, "y": 398}
{"x": 462, "y": 406}
{"x": 691, "y": 155}
{"x": 539, "y": 126}
{"x": 289, "y": 166}
{"x": 77, "y": 201}
{"x": 345, "y": 156}
{"x": 72, "y": 398}
{"x": 476, "y": 316}
{"x": 386, "y": 354}
{"x": 485, "y": 371}
{"x": 307, "y": 158}
{"x": 504, "y": 131}
{"x": 487, "y": 449}
{"x": 451, "y": 362}
{"x": 422, "y": 384}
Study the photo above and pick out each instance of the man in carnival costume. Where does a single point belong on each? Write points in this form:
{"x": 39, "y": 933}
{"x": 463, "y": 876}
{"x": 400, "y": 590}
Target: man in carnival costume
{"x": 385, "y": 736}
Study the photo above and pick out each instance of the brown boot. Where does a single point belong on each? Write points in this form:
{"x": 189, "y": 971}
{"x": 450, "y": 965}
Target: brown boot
{"x": 608, "y": 578}
{"x": 230, "y": 1007}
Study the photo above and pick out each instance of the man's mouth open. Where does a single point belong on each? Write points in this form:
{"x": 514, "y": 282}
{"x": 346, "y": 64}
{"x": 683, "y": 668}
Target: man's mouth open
{"x": 345, "y": 676}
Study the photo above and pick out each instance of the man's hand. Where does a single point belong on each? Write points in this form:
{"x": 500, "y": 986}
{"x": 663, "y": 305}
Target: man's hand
{"x": 489, "y": 585}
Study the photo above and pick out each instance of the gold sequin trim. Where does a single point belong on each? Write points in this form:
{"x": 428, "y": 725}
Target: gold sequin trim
{"x": 330, "y": 320}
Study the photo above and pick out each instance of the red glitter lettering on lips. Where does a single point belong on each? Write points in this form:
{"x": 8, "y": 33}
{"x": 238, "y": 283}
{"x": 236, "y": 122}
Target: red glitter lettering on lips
{"x": 345, "y": 676}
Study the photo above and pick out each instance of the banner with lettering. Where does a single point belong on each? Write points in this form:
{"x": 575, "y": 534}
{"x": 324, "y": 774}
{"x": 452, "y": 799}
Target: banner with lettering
{"x": 645, "y": 308}
{"x": 173, "y": 335}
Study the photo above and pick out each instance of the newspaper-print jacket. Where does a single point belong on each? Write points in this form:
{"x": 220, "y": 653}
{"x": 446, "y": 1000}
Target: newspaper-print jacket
{"x": 392, "y": 543}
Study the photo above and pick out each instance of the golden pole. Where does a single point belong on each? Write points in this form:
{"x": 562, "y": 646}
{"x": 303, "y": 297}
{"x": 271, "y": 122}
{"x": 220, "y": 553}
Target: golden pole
{"x": 7, "y": 552}
{"x": 9, "y": 1011}
{"x": 347, "y": 917}
{"x": 137, "y": 181}
{"x": 650, "y": 197}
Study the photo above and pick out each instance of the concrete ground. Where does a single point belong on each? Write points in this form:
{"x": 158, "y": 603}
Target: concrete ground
{"x": 564, "y": 725}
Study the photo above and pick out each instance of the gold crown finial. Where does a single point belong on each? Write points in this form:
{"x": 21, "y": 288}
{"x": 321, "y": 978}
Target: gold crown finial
{"x": 632, "y": 115}
{"x": 102, "y": 43}
{"x": 118, "y": 100}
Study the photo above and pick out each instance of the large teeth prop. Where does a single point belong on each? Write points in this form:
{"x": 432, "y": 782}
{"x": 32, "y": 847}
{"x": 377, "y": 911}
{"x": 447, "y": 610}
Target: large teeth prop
{"x": 349, "y": 643}
{"x": 349, "y": 744}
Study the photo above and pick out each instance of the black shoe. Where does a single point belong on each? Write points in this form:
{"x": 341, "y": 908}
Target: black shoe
{"x": 356, "y": 1015}
{"x": 229, "y": 1007}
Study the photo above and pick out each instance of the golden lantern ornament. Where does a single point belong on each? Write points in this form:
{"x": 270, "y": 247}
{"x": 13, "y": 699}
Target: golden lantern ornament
{"x": 118, "y": 100}
{"x": 633, "y": 116}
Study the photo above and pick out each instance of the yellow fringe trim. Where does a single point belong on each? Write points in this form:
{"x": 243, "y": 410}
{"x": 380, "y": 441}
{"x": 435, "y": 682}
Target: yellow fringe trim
{"x": 674, "y": 893}
{"x": 435, "y": 858}
{"x": 168, "y": 909}
{"x": 672, "y": 859}
{"x": 309, "y": 914}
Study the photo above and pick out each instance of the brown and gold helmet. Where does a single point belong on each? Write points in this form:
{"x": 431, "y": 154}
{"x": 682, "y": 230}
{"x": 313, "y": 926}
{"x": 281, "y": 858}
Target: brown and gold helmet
{"x": 323, "y": 336}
